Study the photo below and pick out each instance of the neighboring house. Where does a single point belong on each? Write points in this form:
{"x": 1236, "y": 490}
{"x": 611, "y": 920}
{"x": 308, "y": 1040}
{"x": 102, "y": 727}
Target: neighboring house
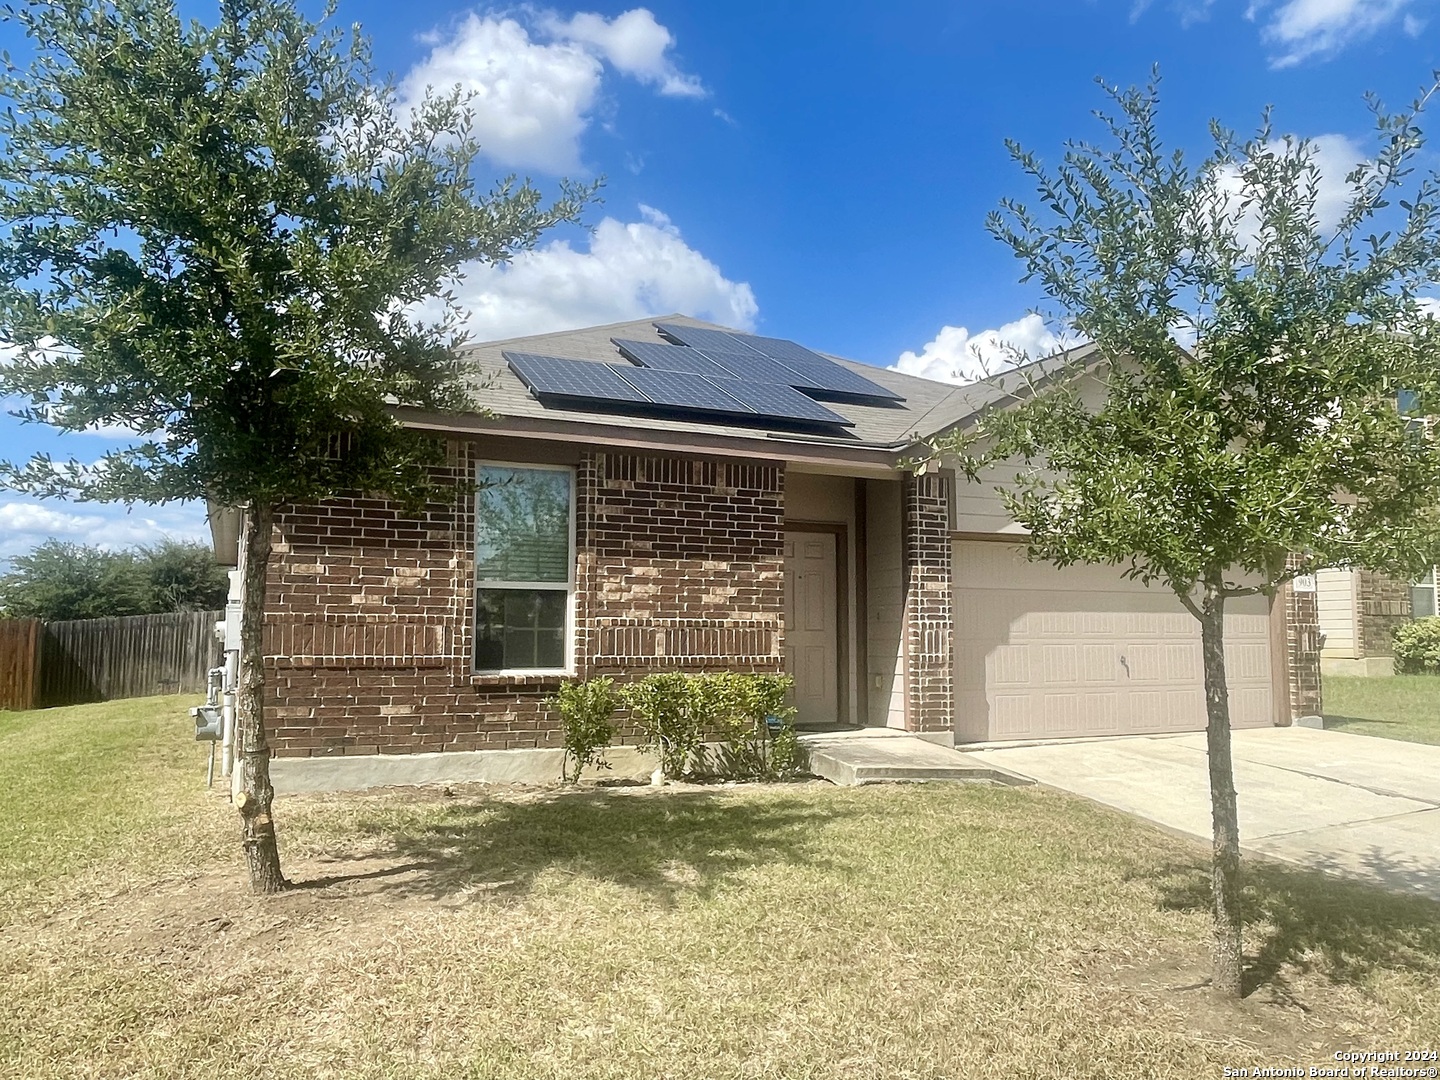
{"x": 1359, "y": 611}
{"x": 649, "y": 523}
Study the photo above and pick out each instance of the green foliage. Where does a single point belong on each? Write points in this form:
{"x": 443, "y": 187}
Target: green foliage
{"x": 60, "y": 580}
{"x": 677, "y": 712}
{"x": 1417, "y": 647}
{"x": 734, "y": 707}
{"x": 663, "y": 706}
{"x": 1250, "y": 353}
{"x": 785, "y": 753}
{"x": 220, "y": 237}
{"x": 587, "y": 711}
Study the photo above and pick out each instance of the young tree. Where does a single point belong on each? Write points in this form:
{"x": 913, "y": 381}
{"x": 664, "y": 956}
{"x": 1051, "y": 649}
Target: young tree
{"x": 1251, "y": 344}
{"x": 215, "y": 237}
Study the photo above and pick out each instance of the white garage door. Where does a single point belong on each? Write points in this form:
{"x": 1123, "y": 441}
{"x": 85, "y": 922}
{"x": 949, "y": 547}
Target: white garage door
{"x": 1047, "y": 653}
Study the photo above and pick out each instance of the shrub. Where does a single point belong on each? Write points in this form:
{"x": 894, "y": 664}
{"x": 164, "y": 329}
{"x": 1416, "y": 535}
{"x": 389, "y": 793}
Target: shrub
{"x": 587, "y": 711}
{"x": 736, "y": 708}
{"x": 663, "y": 707}
{"x": 1417, "y": 647}
{"x": 676, "y": 712}
{"x": 785, "y": 753}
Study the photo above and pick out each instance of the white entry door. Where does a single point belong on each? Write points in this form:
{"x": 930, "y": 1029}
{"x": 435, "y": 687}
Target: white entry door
{"x": 812, "y": 641}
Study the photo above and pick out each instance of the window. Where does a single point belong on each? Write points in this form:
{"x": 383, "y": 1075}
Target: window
{"x": 1422, "y": 596}
{"x": 524, "y": 567}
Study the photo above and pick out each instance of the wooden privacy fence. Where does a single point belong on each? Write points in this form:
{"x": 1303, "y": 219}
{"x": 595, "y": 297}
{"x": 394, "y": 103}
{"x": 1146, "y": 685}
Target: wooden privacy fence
{"x": 19, "y": 662}
{"x": 70, "y": 663}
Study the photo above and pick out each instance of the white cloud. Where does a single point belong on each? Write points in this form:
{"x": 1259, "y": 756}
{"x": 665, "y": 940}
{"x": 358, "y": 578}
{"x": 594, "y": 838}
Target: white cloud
{"x": 633, "y": 42}
{"x": 532, "y": 100}
{"x": 1333, "y": 157}
{"x": 24, "y": 523}
{"x": 537, "y": 85}
{"x": 1299, "y": 30}
{"x": 958, "y": 356}
{"x": 632, "y": 269}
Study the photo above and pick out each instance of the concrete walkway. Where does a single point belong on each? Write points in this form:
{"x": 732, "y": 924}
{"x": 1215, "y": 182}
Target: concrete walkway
{"x": 1351, "y": 804}
{"x": 880, "y": 755}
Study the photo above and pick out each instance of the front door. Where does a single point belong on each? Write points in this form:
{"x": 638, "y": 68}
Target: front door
{"x": 812, "y": 643}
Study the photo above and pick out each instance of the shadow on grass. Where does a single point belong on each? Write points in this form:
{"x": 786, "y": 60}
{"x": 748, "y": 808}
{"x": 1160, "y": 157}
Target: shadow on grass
{"x": 1316, "y": 919}
{"x": 1340, "y": 722}
{"x": 663, "y": 846}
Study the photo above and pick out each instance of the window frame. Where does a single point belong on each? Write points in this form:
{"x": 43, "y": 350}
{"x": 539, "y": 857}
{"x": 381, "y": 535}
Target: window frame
{"x": 1430, "y": 584}
{"x": 568, "y": 586}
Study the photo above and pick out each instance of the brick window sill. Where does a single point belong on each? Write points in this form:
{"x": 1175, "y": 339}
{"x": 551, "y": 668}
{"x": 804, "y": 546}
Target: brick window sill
{"x": 518, "y": 679}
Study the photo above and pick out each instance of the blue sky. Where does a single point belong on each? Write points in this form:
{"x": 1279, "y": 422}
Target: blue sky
{"x": 819, "y": 171}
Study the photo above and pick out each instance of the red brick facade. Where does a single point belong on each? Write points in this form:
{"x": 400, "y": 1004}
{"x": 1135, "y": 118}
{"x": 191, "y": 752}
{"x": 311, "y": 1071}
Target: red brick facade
{"x": 1384, "y": 604}
{"x": 369, "y": 611}
{"x": 929, "y": 610}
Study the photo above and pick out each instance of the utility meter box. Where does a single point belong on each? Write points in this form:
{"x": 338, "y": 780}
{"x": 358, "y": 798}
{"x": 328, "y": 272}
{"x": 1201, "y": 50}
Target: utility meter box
{"x": 208, "y": 723}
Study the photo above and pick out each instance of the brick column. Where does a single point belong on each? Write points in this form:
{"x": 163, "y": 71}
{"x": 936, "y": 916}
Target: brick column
{"x": 929, "y": 614}
{"x": 1302, "y": 651}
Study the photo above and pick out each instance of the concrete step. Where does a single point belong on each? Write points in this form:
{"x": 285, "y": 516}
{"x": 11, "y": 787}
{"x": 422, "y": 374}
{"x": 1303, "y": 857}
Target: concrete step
{"x": 851, "y": 758}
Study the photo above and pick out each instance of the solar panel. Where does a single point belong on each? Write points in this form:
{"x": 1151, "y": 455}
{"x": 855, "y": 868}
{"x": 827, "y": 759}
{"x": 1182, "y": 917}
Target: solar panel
{"x": 826, "y": 374}
{"x": 570, "y": 378}
{"x": 652, "y": 354}
{"x": 753, "y": 367}
{"x": 699, "y": 338}
{"x": 773, "y": 399}
{"x": 806, "y": 369}
{"x": 680, "y": 389}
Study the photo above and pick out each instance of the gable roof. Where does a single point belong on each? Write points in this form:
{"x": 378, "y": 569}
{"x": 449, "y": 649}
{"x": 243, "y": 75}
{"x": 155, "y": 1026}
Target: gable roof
{"x": 929, "y": 406}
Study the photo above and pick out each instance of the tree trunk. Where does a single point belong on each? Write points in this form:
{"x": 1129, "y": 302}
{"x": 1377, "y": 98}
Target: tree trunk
{"x": 257, "y": 827}
{"x": 1225, "y": 872}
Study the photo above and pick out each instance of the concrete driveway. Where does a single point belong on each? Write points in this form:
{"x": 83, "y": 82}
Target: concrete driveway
{"x": 1350, "y": 804}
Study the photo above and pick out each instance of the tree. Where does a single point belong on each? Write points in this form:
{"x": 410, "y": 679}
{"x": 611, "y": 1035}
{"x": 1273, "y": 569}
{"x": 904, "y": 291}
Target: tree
{"x": 183, "y": 576}
{"x": 217, "y": 237}
{"x": 1251, "y": 354}
{"x": 60, "y": 580}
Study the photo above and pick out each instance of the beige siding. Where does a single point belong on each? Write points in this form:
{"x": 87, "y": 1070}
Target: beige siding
{"x": 1048, "y": 653}
{"x": 978, "y": 506}
{"x": 1335, "y": 594}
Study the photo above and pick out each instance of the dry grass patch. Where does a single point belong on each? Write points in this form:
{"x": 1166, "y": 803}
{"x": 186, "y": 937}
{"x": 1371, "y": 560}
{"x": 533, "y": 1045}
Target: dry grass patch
{"x": 783, "y": 931}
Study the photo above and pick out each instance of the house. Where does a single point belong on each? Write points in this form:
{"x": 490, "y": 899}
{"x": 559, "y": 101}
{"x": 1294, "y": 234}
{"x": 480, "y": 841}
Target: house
{"x": 1359, "y": 611}
{"x": 667, "y": 494}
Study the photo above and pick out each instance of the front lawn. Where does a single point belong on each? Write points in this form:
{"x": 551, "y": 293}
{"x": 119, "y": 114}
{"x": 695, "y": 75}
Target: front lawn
{"x": 1392, "y": 707}
{"x": 804, "y": 931}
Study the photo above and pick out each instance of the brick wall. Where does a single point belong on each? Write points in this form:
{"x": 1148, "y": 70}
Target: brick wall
{"x": 1302, "y": 641}
{"x": 1384, "y": 604}
{"x": 681, "y": 562}
{"x": 929, "y": 617}
{"x": 368, "y": 625}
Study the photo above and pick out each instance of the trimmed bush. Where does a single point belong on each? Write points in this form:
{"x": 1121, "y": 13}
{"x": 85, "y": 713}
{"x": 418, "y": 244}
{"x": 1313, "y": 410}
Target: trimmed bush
{"x": 663, "y": 707}
{"x": 1417, "y": 647}
{"x": 677, "y": 712}
{"x": 587, "y": 711}
{"x": 736, "y": 708}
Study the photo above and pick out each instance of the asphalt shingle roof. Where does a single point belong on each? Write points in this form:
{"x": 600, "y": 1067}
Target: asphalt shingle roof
{"x": 929, "y": 406}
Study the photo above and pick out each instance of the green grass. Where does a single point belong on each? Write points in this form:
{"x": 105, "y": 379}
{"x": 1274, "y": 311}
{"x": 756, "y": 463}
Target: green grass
{"x": 93, "y": 784}
{"x": 747, "y": 932}
{"x": 1396, "y": 707}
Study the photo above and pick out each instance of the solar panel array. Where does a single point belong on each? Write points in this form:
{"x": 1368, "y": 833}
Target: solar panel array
{"x": 649, "y": 387}
{"x": 806, "y": 369}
